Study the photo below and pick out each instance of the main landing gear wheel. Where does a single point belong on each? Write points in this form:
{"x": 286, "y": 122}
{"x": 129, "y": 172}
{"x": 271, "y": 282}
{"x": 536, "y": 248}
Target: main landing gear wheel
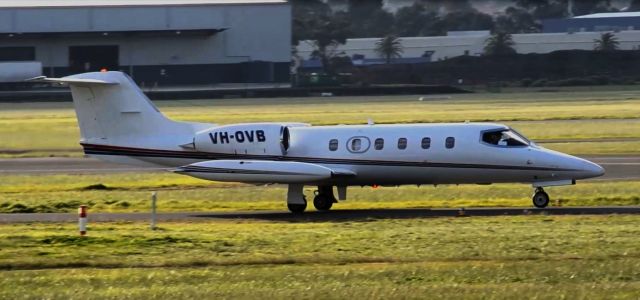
{"x": 297, "y": 208}
{"x": 324, "y": 198}
{"x": 540, "y": 198}
{"x": 322, "y": 202}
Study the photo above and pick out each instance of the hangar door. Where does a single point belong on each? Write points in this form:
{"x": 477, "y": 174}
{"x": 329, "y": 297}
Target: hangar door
{"x": 93, "y": 58}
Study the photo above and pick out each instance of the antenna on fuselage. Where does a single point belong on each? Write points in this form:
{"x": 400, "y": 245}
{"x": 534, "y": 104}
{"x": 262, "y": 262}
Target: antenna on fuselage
{"x": 370, "y": 122}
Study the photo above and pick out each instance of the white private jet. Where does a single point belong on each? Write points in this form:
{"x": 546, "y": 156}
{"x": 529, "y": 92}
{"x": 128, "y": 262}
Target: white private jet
{"x": 118, "y": 123}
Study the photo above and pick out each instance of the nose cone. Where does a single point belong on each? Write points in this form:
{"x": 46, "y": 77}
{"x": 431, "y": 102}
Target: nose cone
{"x": 574, "y": 167}
{"x": 590, "y": 170}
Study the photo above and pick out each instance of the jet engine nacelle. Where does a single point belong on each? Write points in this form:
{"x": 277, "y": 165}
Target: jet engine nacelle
{"x": 252, "y": 139}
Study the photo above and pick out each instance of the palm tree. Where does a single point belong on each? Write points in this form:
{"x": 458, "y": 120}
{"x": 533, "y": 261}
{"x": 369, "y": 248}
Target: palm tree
{"x": 389, "y": 47}
{"x": 607, "y": 42}
{"x": 499, "y": 43}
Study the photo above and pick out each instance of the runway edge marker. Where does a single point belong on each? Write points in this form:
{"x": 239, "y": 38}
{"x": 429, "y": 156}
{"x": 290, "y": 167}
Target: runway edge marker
{"x": 82, "y": 220}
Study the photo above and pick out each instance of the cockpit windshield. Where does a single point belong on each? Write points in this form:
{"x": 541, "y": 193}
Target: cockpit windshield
{"x": 506, "y": 137}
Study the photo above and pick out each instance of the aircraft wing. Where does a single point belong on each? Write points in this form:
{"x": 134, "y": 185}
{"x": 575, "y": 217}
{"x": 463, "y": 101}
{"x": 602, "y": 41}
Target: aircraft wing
{"x": 261, "y": 171}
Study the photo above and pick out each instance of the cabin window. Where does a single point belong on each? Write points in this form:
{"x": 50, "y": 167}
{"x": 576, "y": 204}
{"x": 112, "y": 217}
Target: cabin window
{"x": 356, "y": 145}
{"x": 402, "y": 143}
{"x": 450, "y": 142}
{"x": 426, "y": 143}
{"x": 378, "y": 144}
{"x": 333, "y": 145}
{"x": 504, "y": 138}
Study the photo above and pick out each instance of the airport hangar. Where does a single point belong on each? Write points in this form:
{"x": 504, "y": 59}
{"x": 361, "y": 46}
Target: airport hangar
{"x": 164, "y": 42}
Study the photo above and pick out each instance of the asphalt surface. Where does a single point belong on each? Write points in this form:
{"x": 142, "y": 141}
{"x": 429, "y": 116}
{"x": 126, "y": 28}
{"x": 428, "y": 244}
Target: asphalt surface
{"x": 64, "y": 165}
{"x": 616, "y": 167}
{"x": 331, "y": 216}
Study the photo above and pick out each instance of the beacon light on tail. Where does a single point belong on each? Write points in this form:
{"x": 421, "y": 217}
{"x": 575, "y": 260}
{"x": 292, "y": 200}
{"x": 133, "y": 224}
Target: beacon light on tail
{"x": 119, "y": 123}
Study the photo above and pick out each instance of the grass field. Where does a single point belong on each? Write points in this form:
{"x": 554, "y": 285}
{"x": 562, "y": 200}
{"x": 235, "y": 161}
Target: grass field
{"x": 587, "y": 118}
{"x": 542, "y": 257}
{"x": 129, "y": 192}
{"x": 42, "y": 129}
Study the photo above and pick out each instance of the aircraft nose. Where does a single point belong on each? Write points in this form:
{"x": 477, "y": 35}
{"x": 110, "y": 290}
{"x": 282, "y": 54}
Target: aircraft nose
{"x": 590, "y": 169}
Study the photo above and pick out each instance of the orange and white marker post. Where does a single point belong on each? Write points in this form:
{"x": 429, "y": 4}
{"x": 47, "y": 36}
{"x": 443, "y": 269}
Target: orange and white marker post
{"x": 82, "y": 219}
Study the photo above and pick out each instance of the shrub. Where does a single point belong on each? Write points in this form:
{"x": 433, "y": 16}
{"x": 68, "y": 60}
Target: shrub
{"x": 20, "y": 208}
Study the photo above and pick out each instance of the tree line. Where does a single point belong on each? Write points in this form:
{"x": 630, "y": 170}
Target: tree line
{"x": 498, "y": 44}
{"x": 369, "y": 18}
{"x": 314, "y": 21}
{"x": 606, "y": 64}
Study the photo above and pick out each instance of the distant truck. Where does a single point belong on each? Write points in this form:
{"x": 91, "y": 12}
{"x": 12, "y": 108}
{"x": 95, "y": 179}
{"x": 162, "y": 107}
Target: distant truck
{"x": 13, "y": 73}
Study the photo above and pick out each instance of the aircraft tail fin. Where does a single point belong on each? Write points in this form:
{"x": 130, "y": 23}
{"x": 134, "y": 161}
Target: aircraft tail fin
{"x": 112, "y": 110}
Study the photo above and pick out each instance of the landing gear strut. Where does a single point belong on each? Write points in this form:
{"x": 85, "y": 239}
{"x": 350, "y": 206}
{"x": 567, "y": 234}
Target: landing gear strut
{"x": 540, "y": 198}
{"x": 324, "y": 198}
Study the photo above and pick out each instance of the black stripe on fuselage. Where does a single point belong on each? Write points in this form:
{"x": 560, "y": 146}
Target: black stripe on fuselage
{"x": 141, "y": 152}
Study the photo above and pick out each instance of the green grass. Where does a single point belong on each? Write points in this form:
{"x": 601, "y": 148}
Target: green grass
{"x": 127, "y": 192}
{"x": 41, "y": 129}
{"x": 544, "y": 257}
{"x": 579, "y": 129}
{"x": 596, "y": 148}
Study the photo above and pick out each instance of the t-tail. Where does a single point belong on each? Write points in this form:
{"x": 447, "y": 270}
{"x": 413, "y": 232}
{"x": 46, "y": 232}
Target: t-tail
{"x": 115, "y": 115}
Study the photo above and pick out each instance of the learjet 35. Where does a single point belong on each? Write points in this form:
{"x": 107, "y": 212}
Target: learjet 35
{"x": 118, "y": 123}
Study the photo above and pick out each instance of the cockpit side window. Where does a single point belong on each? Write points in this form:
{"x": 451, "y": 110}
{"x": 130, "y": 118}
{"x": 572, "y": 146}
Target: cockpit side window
{"x": 505, "y": 138}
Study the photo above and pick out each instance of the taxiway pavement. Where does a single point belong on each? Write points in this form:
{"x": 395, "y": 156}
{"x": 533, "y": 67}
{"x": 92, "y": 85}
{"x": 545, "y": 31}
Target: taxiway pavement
{"x": 337, "y": 215}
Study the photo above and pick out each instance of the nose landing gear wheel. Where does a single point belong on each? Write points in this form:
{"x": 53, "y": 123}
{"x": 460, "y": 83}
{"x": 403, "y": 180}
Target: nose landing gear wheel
{"x": 540, "y": 198}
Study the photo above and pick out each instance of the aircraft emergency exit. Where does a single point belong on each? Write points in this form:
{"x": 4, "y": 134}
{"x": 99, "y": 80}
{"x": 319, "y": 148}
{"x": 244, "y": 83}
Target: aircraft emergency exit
{"x": 119, "y": 123}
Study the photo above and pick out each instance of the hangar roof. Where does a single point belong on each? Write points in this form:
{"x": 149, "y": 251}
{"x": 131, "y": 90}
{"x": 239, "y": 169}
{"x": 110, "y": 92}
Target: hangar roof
{"x": 126, "y": 17}
{"x": 111, "y": 3}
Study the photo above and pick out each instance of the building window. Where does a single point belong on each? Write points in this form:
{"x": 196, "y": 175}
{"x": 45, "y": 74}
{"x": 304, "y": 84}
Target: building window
{"x": 426, "y": 143}
{"x": 333, "y": 145}
{"x": 378, "y": 144}
{"x": 450, "y": 142}
{"x": 402, "y": 143}
{"x": 17, "y": 53}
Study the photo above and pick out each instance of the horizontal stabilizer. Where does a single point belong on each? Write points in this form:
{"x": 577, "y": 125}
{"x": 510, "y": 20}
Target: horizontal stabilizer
{"x": 76, "y": 81}
{"x": 260, "y": 171}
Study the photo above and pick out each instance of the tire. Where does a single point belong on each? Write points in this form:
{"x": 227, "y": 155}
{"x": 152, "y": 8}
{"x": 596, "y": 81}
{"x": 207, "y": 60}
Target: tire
{"x": 297, "y": 208}
{"x": 540, "y": 199}
{"x": 322, "y": 203}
